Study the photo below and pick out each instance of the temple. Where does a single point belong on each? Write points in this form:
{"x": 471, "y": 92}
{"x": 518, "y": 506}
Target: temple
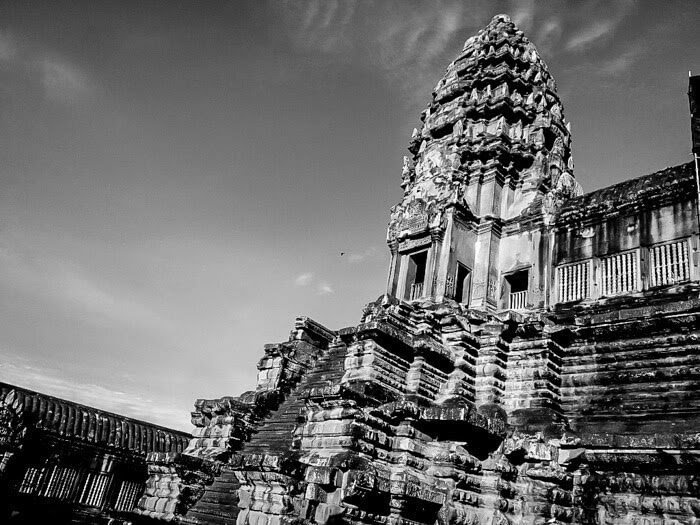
{"x": 535, "y": 357}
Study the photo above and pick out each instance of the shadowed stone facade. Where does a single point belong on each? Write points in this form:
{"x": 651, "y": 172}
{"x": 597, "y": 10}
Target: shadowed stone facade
{"x": 62, "y": 462}
{"x": 534, "y": 358}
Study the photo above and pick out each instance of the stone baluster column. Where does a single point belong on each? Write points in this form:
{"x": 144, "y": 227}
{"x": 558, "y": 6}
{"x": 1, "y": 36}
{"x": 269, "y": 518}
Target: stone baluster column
{"x": 433, "y": 286}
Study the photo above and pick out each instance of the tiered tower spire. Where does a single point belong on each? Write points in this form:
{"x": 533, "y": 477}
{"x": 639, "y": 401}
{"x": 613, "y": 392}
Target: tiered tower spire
{"x": 491, "y": 160}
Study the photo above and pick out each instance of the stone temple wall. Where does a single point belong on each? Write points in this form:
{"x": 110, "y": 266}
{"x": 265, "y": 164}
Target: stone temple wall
{"x": 430, "y": 412}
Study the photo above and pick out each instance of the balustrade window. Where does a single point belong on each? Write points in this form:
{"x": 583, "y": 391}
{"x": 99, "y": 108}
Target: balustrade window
{"x": 31, "y": 481}
{"x": 515, "y": 287}
{"x": 51, "y": 482}
{"x": 573, "y": 282}
{"x": 129, "y": 492}
{"x": 669, "y": 263}
{"x": 619, "y": 273}
{"x": 60, "y": 483}
{"x": 94, "y": 489}
{"x": 66, "y": 483}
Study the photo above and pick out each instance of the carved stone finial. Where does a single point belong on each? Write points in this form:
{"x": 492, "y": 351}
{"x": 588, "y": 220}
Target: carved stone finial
{"x": 501, "y": 18}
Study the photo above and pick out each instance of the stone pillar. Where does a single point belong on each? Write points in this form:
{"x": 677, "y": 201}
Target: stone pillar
{"x": 394, "y": 268}
{"x": 550, "y": 272}
{"x": 443, "y": 264}
{"x": 435, "y": 286}
{"x": 473, "y": 193}
{"x": 413, "y": 375}
{"x": 506, "y": 196}
{"x": 492, "y": 186}
{"x": 485, "y": 287}
{"x": 490, "y": 365}
{"x": 533, "y": 377}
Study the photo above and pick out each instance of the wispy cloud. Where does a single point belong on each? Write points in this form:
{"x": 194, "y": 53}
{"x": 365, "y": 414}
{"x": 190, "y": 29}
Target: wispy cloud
{"x": 98, "y": 396}
{"x": 403, "y": 43}
{"x": 63, "y": 81}
{"x": 304, "y": 279}
{"x": 322, "y": 24}
{"x": 582, "y": 40}
{"x": 600, "y": 29}
{"x": 392, "y": 38}
{"x": 407, "y": 45}
{"x": 75, "y": 291}
{"x": 325, "y": 289}
{"x": 621, "y": 63}
{"x": 549, "y": 34}
{"x": 8, "y": 47}
{"x": 308, "y": 279}
{"x": 358, "y": 257}
{"x": 116, "y": 306}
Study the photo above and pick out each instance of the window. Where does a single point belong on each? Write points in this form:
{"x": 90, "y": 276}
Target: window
{"x": 573, "y": 282}
{"x": 129, "y": 492}
{"x": 415, "y": 275}
{"x": 94, "y": 489}
{"x": 669, "y": 263}
{"x": 462, "y": 284}
{"x": 516, "y": 290}
{"x": 32, "y": 480}
{"x": 619, "y": 273}
{"x": 61, "y": 483}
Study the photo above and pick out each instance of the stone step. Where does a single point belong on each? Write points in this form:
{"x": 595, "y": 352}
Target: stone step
{"x": 274, "y": 434}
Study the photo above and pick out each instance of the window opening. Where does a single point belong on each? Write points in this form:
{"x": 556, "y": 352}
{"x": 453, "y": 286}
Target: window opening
{"x": 619, "y": 273}
{"x": 669, "y": 263}
{"x": 415, "y": 275}
{"x": 517, "y": 289}
{"x": 573, "y": 282}
{"x": 462, "y": 284}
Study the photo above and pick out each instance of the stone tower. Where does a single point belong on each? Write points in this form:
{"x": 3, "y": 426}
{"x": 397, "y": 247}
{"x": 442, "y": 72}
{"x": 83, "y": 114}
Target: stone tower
{"x": 533, "y": 360}
{"x": 487, "y": 169}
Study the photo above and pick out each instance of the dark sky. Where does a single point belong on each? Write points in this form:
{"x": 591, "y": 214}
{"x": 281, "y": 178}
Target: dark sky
{"x": 178, "y": 180}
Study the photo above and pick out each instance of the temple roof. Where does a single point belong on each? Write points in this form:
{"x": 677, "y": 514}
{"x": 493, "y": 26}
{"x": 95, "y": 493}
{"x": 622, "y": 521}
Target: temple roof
{"x": 495, "y": 112}
{"x": 83, "y": 423}
{"x": 499, "y": 78}
{"x": 676, "y": 182}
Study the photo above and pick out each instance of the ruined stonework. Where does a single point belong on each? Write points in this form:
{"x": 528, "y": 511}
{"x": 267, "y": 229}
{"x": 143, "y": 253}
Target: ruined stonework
{"x": 534, "y": 359}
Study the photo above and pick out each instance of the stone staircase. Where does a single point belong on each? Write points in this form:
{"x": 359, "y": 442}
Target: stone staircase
{"x": 219, "y": 504}
{"x": 274, "y": 436}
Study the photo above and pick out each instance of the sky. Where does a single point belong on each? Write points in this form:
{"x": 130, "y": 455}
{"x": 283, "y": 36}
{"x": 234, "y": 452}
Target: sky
{"x": 178, "y": 180}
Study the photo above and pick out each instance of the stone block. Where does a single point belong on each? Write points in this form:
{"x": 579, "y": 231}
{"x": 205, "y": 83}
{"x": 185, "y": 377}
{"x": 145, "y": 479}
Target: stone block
{"x": 325, "y": 512}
